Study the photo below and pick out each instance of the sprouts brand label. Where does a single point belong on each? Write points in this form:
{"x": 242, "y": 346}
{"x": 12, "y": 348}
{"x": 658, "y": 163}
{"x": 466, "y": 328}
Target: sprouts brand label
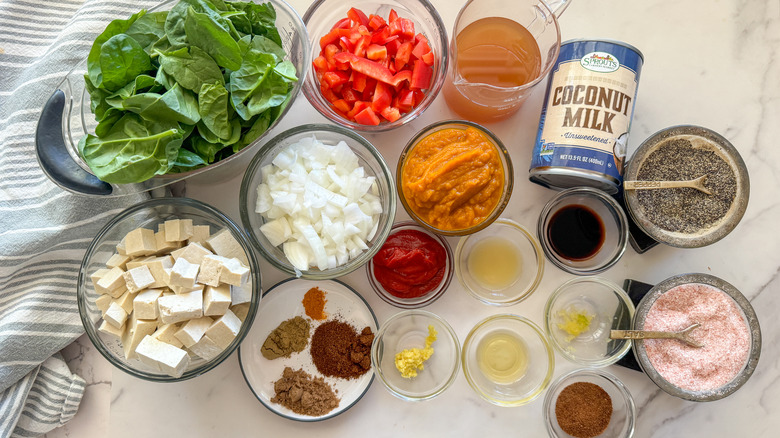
{"x": 587, "y": 115}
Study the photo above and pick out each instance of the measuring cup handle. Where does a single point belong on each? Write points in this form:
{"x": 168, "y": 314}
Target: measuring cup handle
{"x": 53, "y": 156}
{"x": 557, "y": 6}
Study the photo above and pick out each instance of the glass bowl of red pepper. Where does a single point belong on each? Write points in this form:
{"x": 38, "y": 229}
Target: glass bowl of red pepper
{"x": 413, "y": 268}
{"x": 376, "y": 65}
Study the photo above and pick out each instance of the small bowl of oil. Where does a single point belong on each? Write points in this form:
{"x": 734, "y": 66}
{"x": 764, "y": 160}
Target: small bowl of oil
{"x": 500, "y": 265}
{"x": 507, "y": 360}
{"x": 579, "y": 316}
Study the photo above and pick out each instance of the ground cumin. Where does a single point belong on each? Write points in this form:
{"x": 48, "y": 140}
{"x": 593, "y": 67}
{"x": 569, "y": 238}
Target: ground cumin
{"x": 583, "y": 410}
{"x": 303, "y": 394}
{"x": 314, "y": 303}
{"x": 290, "y": 336}
{"x": 339, "y": 351}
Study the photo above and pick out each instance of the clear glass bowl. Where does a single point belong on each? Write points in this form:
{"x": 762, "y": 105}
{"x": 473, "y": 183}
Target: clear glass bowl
{"x": 430, "y": 296}
{"x": 78, "y": 120}
{"x": 323, "y": 14}
{"x": 623, "y": 420}
{"x": 368, "y": 157}
{"x": 529, "y": 270}
{"x": 149, "y": 214}
{"x": 408, "y": 329}
{"x": 609, "y": 308}
{"x": 611, "y": 216}
{"x": 525, "y": 382}
{"x": 506, "y": 163}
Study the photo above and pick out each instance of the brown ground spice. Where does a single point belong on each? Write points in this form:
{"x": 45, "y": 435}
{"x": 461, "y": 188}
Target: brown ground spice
{"x": 291, "y": 336}
{"x": 339, "y": 351}
{"x": 314, "y": 304}
{"x": 583, "y": 409}
{"x": 304, "y": 394}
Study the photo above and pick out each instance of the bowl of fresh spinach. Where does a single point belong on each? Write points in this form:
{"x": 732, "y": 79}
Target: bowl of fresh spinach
{"x": 183, "y": 88}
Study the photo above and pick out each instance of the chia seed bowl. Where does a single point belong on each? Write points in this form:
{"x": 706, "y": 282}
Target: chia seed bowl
{"x": 686, "y": 217}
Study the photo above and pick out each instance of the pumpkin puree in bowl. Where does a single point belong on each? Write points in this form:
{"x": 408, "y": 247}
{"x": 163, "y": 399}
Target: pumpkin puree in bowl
{"x": 453, "y": 178}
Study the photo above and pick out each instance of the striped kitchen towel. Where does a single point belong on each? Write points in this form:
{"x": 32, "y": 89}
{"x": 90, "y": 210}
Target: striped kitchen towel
{"x": 44, "y": 231}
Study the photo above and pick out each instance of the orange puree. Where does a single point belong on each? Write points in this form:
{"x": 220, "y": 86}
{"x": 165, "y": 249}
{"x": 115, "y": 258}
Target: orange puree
{"x": 453, "y": 178}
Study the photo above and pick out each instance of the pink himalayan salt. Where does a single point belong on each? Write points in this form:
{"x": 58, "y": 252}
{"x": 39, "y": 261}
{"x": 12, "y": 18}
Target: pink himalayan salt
{"x": 723, "y": 332}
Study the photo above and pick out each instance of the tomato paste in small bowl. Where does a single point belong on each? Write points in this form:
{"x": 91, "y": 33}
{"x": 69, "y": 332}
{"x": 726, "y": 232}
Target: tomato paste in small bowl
{"x": 413, "y": 268}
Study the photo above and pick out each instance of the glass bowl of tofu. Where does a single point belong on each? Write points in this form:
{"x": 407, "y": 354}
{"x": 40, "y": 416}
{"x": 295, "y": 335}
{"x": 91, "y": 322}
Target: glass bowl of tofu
{"x": 168, "y": 289}
{"x": 318, "y": 201}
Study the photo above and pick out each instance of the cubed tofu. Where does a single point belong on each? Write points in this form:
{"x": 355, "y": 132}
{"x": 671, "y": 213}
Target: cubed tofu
{"x": 240, "y": 310}
{"x": 206, "y": 348}
{"x": 216, "y": 300}
{"x": 117, "y": 261}
{"x": 177, "y": 230}
{"x": 224, "y": 329}
{"x": 126, "y": 301}
{"x": 184, "y": 290}
{"x": 97, "y": 275}
{"x": 102, "y": 302}
{"x": 200, "y": 233}
{"x": 120, "y": 247}
{"x": 138, "y": 278}
{"x": 135, "y": 331}
{"x": 115, "y": 315}
{"x": 223, "y": 243}
{"x": 183, "y": 274}
{"x": 177, "y": 253}
{"x": 194, "y": 253}
{"x": 234, "y": 273}
{"x": 210, "y": 269}
{"x": 145, "y": 304}
{"x": 167, "y": 334}
{"x": 191, "y": 332}
{"x": 111, "y": 282}
{"x": 109, "y": 329}
{"x": 164, "y": 246}
{"x": 180, "y": 307}
{"x": 157, "y": 266}
{"x": 140, "y": 242}
{"x": 164, "y": 357}
{"x": 137, "y": 262}
{"x": 241, "y": 294}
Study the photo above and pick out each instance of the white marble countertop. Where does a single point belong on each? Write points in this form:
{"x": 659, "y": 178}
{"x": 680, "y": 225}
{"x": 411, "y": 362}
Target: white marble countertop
{"x": 714, "y": 64}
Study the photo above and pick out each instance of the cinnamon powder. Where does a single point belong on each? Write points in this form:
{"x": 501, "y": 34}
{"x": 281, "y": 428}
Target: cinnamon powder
{"x": 314, "y": 304}
{"x": 339, "y": 351}
{"x": 583, "y": 410}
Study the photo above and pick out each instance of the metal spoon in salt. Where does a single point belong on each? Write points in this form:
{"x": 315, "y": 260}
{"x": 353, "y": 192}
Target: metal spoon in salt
{"x": 683, "y": 335}
{"x": 697, "y": 184}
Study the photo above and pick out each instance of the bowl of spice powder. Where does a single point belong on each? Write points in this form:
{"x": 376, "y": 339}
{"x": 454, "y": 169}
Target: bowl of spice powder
{"x": 729, "y": 332}
{"x": 687, "y": 217}
{"x": 589, "y": 402}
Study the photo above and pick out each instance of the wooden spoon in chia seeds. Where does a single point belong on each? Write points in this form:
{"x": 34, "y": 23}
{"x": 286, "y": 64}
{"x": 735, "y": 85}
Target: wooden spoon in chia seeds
{"x": 697, "y": 184}
{"x": 682, "y": 336}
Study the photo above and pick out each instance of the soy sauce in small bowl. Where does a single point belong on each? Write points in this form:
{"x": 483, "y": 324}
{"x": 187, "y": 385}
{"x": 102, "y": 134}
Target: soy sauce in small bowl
{"x": 583, "y": 230}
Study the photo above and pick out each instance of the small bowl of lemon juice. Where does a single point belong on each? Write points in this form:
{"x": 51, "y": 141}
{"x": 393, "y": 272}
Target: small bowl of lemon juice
{"x": 500, "y": 265}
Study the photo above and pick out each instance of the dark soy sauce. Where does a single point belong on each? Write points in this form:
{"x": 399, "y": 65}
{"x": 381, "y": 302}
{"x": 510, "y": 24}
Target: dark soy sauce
{"x": 576, "y": 232}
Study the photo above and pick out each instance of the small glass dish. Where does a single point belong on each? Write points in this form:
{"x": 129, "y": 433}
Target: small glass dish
{"x": 582, "y": 204}
{"x": 426, "y": 298}
{"x": 368, "y": 157}
{"x": 149, "y": 214}
{"x": 409, "y": 329}
{"x": 623, "y": 419}
{"x": 506, "y": 166}
{"x": 750, "y": 319}
{"x": 529, "y": 263}
{"x": 516, "y": 380}
{"x": 322, "y": 15}
{"x": 594, "y": 306}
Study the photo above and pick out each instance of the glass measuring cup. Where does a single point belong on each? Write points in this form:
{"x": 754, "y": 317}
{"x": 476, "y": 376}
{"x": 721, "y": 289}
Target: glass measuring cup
{"x": 492, "y": 71}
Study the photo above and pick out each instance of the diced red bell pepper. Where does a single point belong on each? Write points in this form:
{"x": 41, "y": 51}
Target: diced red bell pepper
{"x": 421, "y": 75}
{"x": 405, "y": 100}
{"x": 382, "y": 97}
{"x": 428, "y": 58}
{"x": 334, "y": 78}
{"x": 327, "y": 93}
{"x": 383, "y": 36}
{"x": 403, "y": 55}
{"x": 400, "y": 77}
{"x": 392, "y": 46}
{"x": 344, "y": 23}
{"x": 345, "y": 44}
{"x": 368, "y": 67}
{"x": 330, "y": 38}
{"x": 418, "y": 97}
{"x": 421, "y": 48}
{"x": 358, "y": 81}
{"x": 361, "y": 46}
{"x": 367, "y": 117}
{"x": 376, "y": 52}
{"x": 350, "y": 96}
{"x": 320, "y": 64}
{"x": 342, "y": 105}
{"x": 392, "y": 16}
{"x": 330, "y": 52}
{"x": 375, "y": 22}
{"x": 357, "y": 16}
{"x": 407, "y": 27}
{"x": 359, "y": 106}
{"x": 391, "y": 114}
{"x": 368, "y": 92}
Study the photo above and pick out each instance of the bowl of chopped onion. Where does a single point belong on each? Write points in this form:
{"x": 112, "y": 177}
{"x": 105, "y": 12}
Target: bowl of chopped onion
{"x": 318, "y": 201}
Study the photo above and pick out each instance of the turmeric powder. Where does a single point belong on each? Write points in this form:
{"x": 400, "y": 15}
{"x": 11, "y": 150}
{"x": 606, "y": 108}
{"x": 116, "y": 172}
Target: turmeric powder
{"x": 314, "y": 304}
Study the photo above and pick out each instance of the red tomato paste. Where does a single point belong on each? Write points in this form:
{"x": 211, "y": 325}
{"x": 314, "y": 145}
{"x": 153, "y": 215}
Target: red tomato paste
{"x": 410, "y": 264}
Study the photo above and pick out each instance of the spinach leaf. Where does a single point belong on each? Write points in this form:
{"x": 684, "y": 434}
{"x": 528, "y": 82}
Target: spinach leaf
{"x": 105, "y": 125}
{"x": 187, "y": 160}
{"x": 191, "y": 68}
{"x": 174, "y": 24}
{"x": 141, "y": 83}
{"x": 261, "y": 20}
{"x": 214, "y": 109}
{"x": 260, "y": 83}
{"x": 121, "y": 60}
{"x": 261, "y": 124}
{"x": 133, "y": 150}
{"x": 148, "y": 29}
{"x": 116, "y": 27}
{"x": 204, "y": 32}
{"x": 206, "y": 150}
{"x": 97, "y": 102}
{"x": 176, "y": 104}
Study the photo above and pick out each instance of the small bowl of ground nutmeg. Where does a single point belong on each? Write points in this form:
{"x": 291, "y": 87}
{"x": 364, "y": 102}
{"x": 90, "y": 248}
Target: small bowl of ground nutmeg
{"x": 416, "y": 355}
{"x": 587, "y": 403}
{"x": 686, "y": 217}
